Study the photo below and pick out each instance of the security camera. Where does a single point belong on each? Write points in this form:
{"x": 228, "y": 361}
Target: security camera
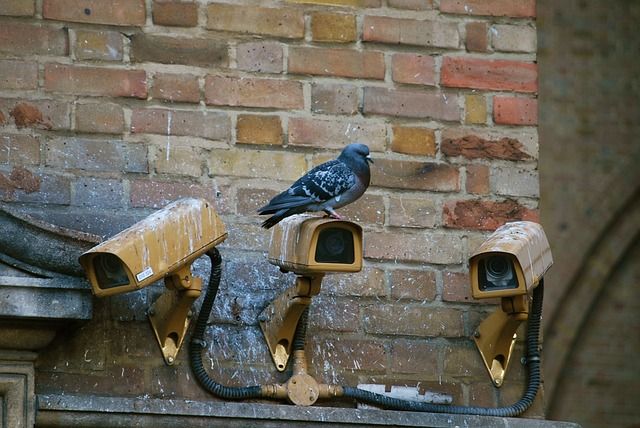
{"x": 154, "y": 247}
{"x": 161, "y": 246}
{"x": 309, "y": 246}
{"x": 509, "y": 264}
{"x": 510, "y": 261}
{"x": 306, "y": 244}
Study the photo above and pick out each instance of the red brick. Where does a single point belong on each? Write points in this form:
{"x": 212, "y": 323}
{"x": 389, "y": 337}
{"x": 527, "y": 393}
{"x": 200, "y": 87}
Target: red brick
{"x": 476, "y": 40}
{"x": 408, "y": 320}
{"x": 116, "y": 12}
{"x": 333, "y": 27}
{"x": 23, "y": 39}
{"x": 178, "y": 50}
{"x": 19, "y": 149}
{"x": 18, "y": 8}
{"x": 464, "y": 362}
{"x": 332, "y": 98}
{"x": 95, "y": 81}
{"x": 253, "y": 92}
{"x": 411, "y": 103}
{"x": 413, "y": 68}
{"x": 415, "y": 175}
{"x": 43, "y": 114}
{"x": 410, "y": 32}
{"x": 475, "y": 147}
{"x": 335, "y": 134}
{"x": 176, "y": 87}
{"x": 515, "y": 9}
{"x": 498, "y": 75}
{"x": 260, "y": 56}
{"x": 414, "y": 356}
{"x": 156, "y": 193}
{"x": 414, "y": 141}
{"x": 456, "y": 288}
{"x": 515, "y": 111}
{"x": 100, "y": 45}
{"x": 174, "y": 13}
{"x": 277, "y": 22}
{"x": 259, "y": 129}
{"x": 413, "y": 284}
{"x": 213, "y": 126}
{"x": 478, "y": 179}
{"x": 436, "y": 248}
{"x": 484, "y": 215}
{"x": 18, "y": 74}
{"x": 368, "y": 282}
{"x": 347, "y": 354}
{"x": 412, "y": 212}
{"x": 100, "y": 118}
{"x": 22, "y": 185}
{"x": 336, "y": 62}
{"x": 334, "y": 314}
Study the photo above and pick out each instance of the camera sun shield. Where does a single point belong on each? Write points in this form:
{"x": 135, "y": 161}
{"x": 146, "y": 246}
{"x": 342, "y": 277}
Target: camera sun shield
{"x": 307, "y": 244}
{"x": 154, "y": 247}
{"x": 510, "y": 261}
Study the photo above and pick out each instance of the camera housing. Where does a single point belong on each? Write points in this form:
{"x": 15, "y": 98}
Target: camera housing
{"x": 307, "y": 244}
{"x": 509, "y": 264}
{"x": 511, "y": 261}
{"x": 154, "y": 247}
{"x": 161, "y": 246}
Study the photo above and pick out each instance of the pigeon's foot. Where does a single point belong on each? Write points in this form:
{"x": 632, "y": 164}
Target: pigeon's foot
{"x": 332, "y": 214}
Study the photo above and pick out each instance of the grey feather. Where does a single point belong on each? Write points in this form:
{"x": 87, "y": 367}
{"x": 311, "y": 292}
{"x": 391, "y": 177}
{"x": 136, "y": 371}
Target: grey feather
{"x": 326, "y": 187}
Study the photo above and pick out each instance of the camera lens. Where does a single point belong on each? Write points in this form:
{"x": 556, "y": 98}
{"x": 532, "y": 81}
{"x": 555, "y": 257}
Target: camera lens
{"x": 109, "y": 271}
{"x": 335, "y": 246}
{"x": 497, "y": 267}
{"x": 496, "y": 272}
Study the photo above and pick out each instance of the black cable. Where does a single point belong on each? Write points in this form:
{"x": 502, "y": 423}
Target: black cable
{"x": 300, "y": 336}
{"x": 533, "y": 364}
{"x": 197, "y": 343}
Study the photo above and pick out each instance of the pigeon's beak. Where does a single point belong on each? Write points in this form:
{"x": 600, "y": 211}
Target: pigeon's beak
{"x": 368, "y": 158}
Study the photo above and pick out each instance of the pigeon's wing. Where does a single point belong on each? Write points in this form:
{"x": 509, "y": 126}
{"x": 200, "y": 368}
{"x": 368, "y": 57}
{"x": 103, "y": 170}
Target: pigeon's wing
{"x": 322, "y": 183}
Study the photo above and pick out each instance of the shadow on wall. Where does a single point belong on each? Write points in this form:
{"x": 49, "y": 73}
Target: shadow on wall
{"x": 590, "y": 188}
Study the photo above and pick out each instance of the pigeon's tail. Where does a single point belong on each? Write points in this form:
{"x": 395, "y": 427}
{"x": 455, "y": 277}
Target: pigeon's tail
{"x": 275, "y": 219}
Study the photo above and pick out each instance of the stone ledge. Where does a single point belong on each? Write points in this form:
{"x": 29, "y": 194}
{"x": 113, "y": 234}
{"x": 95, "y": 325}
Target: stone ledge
{"x": 94, "y": 411}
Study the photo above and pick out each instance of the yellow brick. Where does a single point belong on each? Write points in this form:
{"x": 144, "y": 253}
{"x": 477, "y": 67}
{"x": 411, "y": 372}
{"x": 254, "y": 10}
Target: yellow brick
{"x": 413, "y": 141}
{"x": 257, "y": 164}
{"x": 179, "y": 160}
{"x": 475, "y": 109}
{"x": 258, "y": 129}
{"x": 333, "y": 27}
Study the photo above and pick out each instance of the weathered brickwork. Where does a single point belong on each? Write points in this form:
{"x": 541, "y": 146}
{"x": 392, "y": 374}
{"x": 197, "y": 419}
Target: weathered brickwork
{"x": 109, "y": 110}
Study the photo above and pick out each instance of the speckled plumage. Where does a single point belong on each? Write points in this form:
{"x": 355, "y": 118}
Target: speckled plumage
{"x": 326, "y": 187}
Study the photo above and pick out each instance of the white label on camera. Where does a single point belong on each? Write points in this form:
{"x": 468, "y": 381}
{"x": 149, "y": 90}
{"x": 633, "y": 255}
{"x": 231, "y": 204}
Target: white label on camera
{"x": 144, "y": 274}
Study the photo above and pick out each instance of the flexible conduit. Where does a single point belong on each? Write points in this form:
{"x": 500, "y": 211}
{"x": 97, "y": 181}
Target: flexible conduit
{"x": 533, "y": 364}
{"x": 197, "y": 343}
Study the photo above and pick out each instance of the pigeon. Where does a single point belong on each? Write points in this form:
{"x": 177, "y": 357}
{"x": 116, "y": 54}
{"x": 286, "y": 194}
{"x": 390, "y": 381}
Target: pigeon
{"x": 326, "y": 187}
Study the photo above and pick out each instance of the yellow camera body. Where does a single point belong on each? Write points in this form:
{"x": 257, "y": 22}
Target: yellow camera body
{"x": 306, "y": 244}
{"x": 154, "y": 247}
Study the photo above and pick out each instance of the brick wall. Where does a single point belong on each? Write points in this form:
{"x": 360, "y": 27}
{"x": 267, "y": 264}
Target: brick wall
{"x": 112, "y": 109}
